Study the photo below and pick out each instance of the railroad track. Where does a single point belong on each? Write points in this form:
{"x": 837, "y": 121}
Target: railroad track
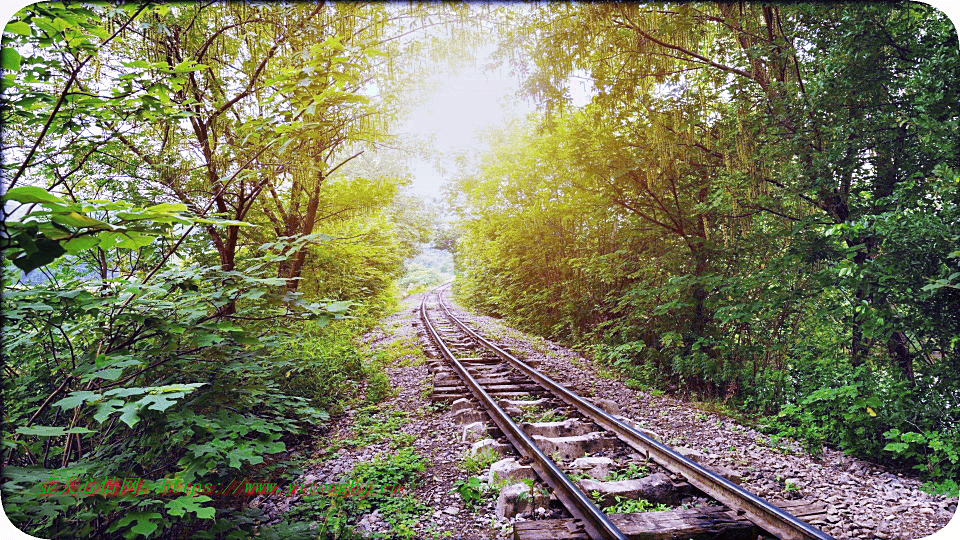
{"x": 468, "y": 369}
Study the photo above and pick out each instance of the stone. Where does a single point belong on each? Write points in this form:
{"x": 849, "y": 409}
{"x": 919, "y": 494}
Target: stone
{"x": 461, "y": 404}
{"x": 469, "y": 416}
{"x": 656, "y": 488}
{"x": 509, "y": 470}
{"x": 521, "y": 403}
{"x": 597, "y": 467}
{"x": 690, "y": 454}
{"x": 608, "y": 405}
{"x": 474, "y": 432}
{"x": 518, "y": 499}
{"x": 445, "y": 378}
{"x": 451, "y": 510}
{"x": 491, "y": 444}
{"x": 566, "y": 428}
{"x": 569, "y": 448}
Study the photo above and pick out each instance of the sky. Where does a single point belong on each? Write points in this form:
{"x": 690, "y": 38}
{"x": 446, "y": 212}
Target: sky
{"x": 451, "y": 115}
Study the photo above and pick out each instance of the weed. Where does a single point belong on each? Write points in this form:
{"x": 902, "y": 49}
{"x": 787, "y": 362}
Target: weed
{"x": 402, "y": 513}
{"x": 946, "y": 487}
{"x": 634, "y": 384}
{"x": 632, "y": 472}
{"x": 470, "y": 490}
{"x": 656, "y": 392}
{"x": 401, "y": 352}
{"x": 536, "y": 414}
{"x": 400, "y": 469}
{"x": 378, "y": 387}
{"x": 789, "y": 486}
{"x": 373, "y": 425}
{"x": 475, "y": 462}
{"x": 633, "y": 506}
{"x": 604, "y": 373}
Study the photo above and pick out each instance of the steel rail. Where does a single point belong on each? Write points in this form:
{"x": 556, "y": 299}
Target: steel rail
{"x": 761, "y": 512}
{"x": 595, "y": 523}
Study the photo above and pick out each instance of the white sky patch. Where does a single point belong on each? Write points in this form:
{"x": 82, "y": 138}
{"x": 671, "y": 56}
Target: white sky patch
{"x": 462, "y": 104}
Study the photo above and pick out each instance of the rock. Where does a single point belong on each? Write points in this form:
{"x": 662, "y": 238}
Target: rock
{"x": 500, "y": 448}
{"x": 510, "y": 471}
{"x": 597, "y": 467}
{"x": 461, "y": 404}
{"x": 474, "y": 432}
{"x": 451, "y": 510}
{"x": 728, "y": 473}
{"x": 566, "y": 428}
{"x": 656, "y": 488}
{"x": 519, "y": 499}
{"x": 608, "y": 405}
{"x": 521, "y": 403}
{"x": 690, "y": 454}
{"x": 469, "y": 416}
{"x": 570, "y": 448}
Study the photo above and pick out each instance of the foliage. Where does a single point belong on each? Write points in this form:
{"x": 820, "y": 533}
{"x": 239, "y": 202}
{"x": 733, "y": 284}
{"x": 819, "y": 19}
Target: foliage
{"x": 471, "y": 491}
{"x": 374, "y": 423}
{"x": 633, "y": 506}
{"x": 158, "y": 330}
{"x": 631, "y": 472}
{"x": 474, "y": 462}
{"x": 757, "y": 206}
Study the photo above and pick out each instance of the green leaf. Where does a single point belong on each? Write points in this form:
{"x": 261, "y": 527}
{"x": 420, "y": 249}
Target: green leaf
{"x": 18, "y": 27}
{"x": 160, "y": 402}
{"x": 51, "y": 431}
{"x": 166, "y": 208}
{"x": 110, "y": 374}
{"x": 32, "y": 194}
{"x": 188, "y": 503}
{"x": 106, "y": 409}
{"x": 80, "y": 243}
{"x": 76, "y": 219}
{"x": 145, "y": 525}
{"x": 896, "y": 447}
{"x": 9, "y": 60}
{"x": 75, "y": 399}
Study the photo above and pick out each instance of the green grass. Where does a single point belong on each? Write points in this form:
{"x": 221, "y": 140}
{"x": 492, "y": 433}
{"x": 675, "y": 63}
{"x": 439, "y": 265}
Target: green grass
{"x": 476, "y": 462}
{"x": 401, "y": 352}
{"x": 631, "y": 472}
{"x": 374, "y": 424}
{"x": 334, "y": 515}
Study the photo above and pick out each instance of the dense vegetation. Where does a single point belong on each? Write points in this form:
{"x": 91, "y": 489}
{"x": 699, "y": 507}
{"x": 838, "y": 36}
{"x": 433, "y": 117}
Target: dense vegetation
{"x": 757, "y": 204}
{"x": 198, "y": 224}
{"x": 203, "y": 209}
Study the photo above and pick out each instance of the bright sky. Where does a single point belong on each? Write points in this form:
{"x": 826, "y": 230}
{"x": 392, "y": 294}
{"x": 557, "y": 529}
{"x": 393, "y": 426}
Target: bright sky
{"x": 463, "y": 103}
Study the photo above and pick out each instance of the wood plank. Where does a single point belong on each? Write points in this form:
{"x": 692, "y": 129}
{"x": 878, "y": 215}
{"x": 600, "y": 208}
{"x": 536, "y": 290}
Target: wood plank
{"x": 802, "y": 507}
{"x": 694, "y": 523}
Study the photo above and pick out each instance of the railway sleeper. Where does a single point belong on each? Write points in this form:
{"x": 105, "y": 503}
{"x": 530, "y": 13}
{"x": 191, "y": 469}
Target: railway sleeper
{"x": 710, "y": 523}
{"x": 567, "y": 428}
{"x": 492, "y": 445}
{"x": 570, "y": 448}
{"x": 656, "y": 488}
{"x": 454, "y": 393}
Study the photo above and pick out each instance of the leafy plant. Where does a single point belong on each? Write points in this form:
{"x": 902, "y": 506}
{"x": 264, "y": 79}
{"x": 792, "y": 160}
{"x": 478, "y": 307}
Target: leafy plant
{"x": 471, "y": 490}
{"x": 474, "y": 462}
{"x": 632, "y": 506}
